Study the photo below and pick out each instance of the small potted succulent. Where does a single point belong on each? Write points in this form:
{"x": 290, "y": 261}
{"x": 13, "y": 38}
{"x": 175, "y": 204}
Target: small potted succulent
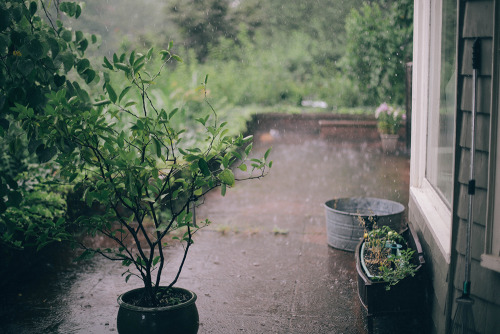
{"x": 389, "y": 267}
{"x": 136, "y": 166}
{"x": 388, "y": 124}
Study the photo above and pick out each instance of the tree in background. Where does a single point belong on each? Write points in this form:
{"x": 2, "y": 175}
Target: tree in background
{"x": 201, "y": 22}
{"x": 379, "y": 43}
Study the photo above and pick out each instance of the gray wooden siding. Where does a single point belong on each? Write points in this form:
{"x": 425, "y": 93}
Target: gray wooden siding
{"x": 478, "y": 21}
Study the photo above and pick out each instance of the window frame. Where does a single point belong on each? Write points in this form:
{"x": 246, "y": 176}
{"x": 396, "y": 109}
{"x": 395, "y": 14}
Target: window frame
{"x": 433, "y": 209}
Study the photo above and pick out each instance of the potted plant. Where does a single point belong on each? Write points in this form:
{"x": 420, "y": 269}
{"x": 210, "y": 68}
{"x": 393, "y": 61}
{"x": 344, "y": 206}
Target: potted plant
{"x": 388, "y": 123}
{"x": 144, "y": 176}
{"x": 389, "y": 269}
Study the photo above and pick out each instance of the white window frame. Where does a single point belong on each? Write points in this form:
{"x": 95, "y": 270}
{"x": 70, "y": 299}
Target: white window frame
{"x": 435, "y": 212}
{"x": 491, "y": 257}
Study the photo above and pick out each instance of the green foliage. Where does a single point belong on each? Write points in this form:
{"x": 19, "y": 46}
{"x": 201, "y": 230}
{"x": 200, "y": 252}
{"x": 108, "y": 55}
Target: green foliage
{"x": 201, "y": 22}
{"x": 38, "y": 216}
{"x": 37, "y": 57}
{"x": 131, "y": 159}
{"x": 379, "y": 43}
{"x": 400, "y": 268}
{"x": 388, "y": 265}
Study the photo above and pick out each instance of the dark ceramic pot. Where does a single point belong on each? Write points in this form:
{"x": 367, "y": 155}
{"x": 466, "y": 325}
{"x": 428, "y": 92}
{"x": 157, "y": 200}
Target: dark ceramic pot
{"x": 179, "y": 319}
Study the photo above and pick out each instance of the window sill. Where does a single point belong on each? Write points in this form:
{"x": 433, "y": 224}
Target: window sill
{"x": 436, "y": 215}
{"x": 491, "y": 262}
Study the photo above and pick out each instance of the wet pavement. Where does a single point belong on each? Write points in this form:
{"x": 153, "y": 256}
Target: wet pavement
{"x": 263, "y": 266}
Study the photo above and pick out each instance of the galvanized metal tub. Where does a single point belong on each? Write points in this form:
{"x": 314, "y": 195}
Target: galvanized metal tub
{"x": 343, "y": 215}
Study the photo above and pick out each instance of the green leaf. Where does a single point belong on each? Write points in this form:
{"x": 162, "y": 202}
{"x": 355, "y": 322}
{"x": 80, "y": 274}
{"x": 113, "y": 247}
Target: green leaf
{"x": 67, "y": 35}
{"x": 243, "y": 167}
{"x": 45, "y": 154}
{"x": 82, "y": 65}
{"x": 149, "y": 54}
{"x": 173, "y": 112}
{"x": 203, "y": 165}
{"x": 102, "y": 102}
{"x": 227, "y": 177}
{"x": 111, "y": 93}
{"x": 223, "y": 189}
{"x": 15, "y": 198}
{"x": 225, "y": 160}
{"x": 54, "y": 47}
{"x": 78, "y": 11}
{"x": 237, "y": 155}
{"x": 35, "y": 49}
{"x": 266, "y": 155}
{"x": 78, "y": 35}
{"x": 131, "y": 58}
{"x": 248, "y": 149}
{"x": 68, "y": 61}
{"x": 59, "y": 80}
{"x": 127, "y": 202}
{"x": 122, "y": 67}
{"x": 124, "y": 91}
{"x": 33, "y": 8}
{"x": 107, "y": 64}
{"x": 157, "y": 147}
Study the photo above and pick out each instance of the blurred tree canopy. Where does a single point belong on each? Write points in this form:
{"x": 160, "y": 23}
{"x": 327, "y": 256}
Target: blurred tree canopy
{"x": 379, "y": 43}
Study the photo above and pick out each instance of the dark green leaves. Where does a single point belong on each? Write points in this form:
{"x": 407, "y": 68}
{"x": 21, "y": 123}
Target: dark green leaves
{"x": 202, "y": 164}
{"x": 107, "y": 64}
{"x": 45, "y": 154}
{"x": 111, "y": 93}
{"x": 71, "y": 9}
{"x": 33, "y": 8}
{"x": 35, "y": 49}
{"x": 14, "y": 198}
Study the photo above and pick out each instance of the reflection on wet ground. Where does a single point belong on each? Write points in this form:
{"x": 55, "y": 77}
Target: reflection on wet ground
{"x": 263, "y": 266}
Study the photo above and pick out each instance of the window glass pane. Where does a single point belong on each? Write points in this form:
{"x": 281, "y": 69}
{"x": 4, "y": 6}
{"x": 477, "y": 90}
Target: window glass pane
{"x": 441, "y": 119}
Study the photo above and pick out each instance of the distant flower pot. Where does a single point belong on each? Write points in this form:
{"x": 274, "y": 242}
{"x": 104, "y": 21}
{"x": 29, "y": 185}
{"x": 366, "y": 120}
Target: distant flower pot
{"x": 389, "y": 142}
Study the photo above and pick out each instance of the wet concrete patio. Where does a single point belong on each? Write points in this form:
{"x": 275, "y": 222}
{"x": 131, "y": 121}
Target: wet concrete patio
{"x": 263, "y": 266}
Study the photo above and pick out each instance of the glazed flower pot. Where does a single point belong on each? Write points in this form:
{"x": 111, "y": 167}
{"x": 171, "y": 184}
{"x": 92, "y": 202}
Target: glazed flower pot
{"x": 179, "y": 319}
{"x": 389, "y": 142}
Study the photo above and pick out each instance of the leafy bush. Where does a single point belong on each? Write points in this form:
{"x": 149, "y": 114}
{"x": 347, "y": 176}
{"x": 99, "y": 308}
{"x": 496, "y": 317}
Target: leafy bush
{"x": 37, "y": 57}
{"x": 142, "y": 171}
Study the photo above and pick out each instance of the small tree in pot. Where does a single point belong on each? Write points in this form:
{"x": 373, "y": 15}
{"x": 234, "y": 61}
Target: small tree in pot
{"x": 129, "y": 158}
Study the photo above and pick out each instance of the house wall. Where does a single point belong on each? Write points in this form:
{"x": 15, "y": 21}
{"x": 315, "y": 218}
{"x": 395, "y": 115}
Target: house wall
{"x": 445, "y": 249}
{"x": 476, "y": 20}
